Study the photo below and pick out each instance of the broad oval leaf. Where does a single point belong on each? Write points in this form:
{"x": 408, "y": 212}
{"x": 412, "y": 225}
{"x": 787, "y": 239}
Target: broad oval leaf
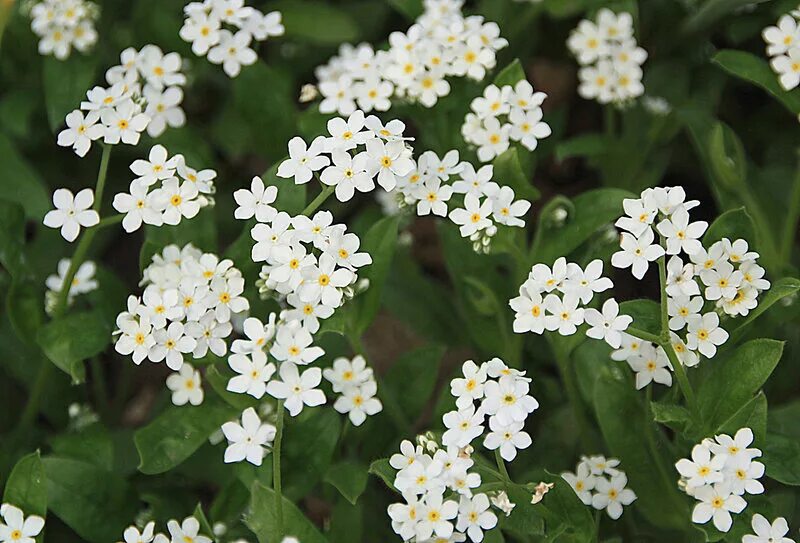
{"x": 733, "y": 224}
{"x": 510, "y": 74}
{"x": 177, "y": 433}
{"x": 756, "y": 70}
{"x": 380, "y": 242}
{"x": 349, "y": 478}
{"x": 508, "y": 171}
{"x": 65, "y": 85}
{"x": 26, "y": 486}
{"x": 261, "y": 518}
{"x": 68, "y": 341}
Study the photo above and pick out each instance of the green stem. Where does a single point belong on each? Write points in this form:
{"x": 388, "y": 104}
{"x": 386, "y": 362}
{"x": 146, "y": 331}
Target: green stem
{"x": 101, "y": 177}
{"x": 276, "y": 472}
{"x": 318, "y": 201}
{"x": 501, "y": 466}
{"x": 573, "y": 394}
{"x": 34, "y": 399}
{"x": 662, "y": 279}
{"x": 683, "y": 379}
{"x": 597, "y": 525}
{"x": 650, "y": 436}
{"x": 641, "y": 334}
{"x": 610, "y": 121}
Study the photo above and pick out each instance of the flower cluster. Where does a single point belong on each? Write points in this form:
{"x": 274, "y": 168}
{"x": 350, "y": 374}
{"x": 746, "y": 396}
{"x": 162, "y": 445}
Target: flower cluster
{"x": 485, "y": 204}
{"x": 610, "y": 58}
{"x": 186, "y": 531}
{"x": 505, "y": 114}
{"x": 599, "y": 483}
{"x": 357, "y": 387}
{"x": 730, "y": 277}
{"x": 224, "y": 29}
{"x": 783, "y": 47}
{"x": 502, "y": 395}
{"x": 64, "y": 24}
{"x": 144, "y": 92}
{"x": 425, "y": 481}
{"x": 358, "y": 151}
{"x": 720, "y": 473}
{"x": 15, "y": 528}
{"x": 441, "y": 43}
{"x": 185, "y": 308}
{"x": 554, "y": 300}
{"x": 165, "y": 192}
{"x": 83, "y": 282}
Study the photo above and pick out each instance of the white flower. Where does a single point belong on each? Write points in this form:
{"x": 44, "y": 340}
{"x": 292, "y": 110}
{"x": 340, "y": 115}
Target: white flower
{"x": 474, "y": 516}
{"x": 682, "y": 235}
{"x": 124, "y": 122}
{"x": 436, "y": 517}
{"x": 529, "y": 312}
{"x": 256, "y": 201}
{"x": 737, "y": 447}
{"x": 346, "y": 374}
{"x": 186, "y": 386}
{"x": 270, "y": 236}
{"x": 344, "y": 248}
{"x": 308, "y": 313}
{"x": 420, "y": 477}
{"x": 177, "y": 200}
{"x": 72, "y": 212}
{"x": 359, "y": 402}
{"x": 433, "y": 197}
{"x": 18, "y": 529}
{"x": 680, "y": 278}
{"x": 294, "y": 344}
{"x": 637, "y": 253}
{"x": 599, "y": 465}
{"x": 338, "y": 96}
{"x": 225, "y": 297}
{"x": 246, "y": 441}
{"x": 408, "y": 455}
{"x": 788, "y": 68}
{"x": 136, "y": 339}
{"x": 82, "y": 283}
{"x": 585, "y": 283}
{"x": 582, "y": 482}
{"x": 257, "y": 333}
{"x": 132, "y": 535}
{"x": 528, "y": 128}
{"x": 504, "y": 209}
{"x": 703, "y": 469}
{"x": 743, "y": 477}
{"x": 405, "y": 516}
{"x": 472, "y": 182}
{"x": 138, "y": 206}
{"x": 202, "y": 30}
{"x": 346, "y": 134}
{"x": 651, "y": 365}
{"x": 297, "y": 390}
{"x": 508, "y": 399}
{"x": 263, "y": 25}
{"x": 611, "y": 495}
{"x": 681, "y": 309}
{"x": 233, "y": 52}
{"x": 587, "y": 42}
{"x": 462, "y": 426}
{"x": 564, "y": 314}
{"x": 254, "y": 373}
{"x": 303, "y": 160}
{"x": 508, "y": 437}
{"x": 705, "y": 334}
{"x": 473, "y": 217}
{"x": 607, "y": 325}
{"x": 721, "y": 281}
{"x": 470, "y": 387}
{"x": 640, "y": 215}
{"x": 737, "y": 251}
{"x": 81, "y": 131}
{"x": 171, "y": 344}
{"x": 208, "y": 332}
{"x": 159, "y": 307}
{"x": 766, "y": 532}
{"x": 597, "y": 81}
{"x": 390, "y": 160}
{"x": 348, "y": 173}
{"x": 323, "y": 282}
{"x": 782, "y": 37}
{"x": 492, "y": 140}
{"x": 717, "y": 503}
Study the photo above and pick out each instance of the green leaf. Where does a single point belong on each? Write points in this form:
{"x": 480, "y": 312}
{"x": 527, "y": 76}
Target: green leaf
{"x": 26, "y": 486}
{"x": 756, "y": 70}
{"x": 625, "y": 424}
{"x": 733, "y": 224}
{"x": 646, "y": 314}
{"x": 410, "y": 8}
{"x": 25, "y": 306}
{"x": 783, "y": 419}
{"x": 92, "y": 444}
{"x": 511, "y": 74}
{"x": 562, "y": 507}
{"x": 177, "y": 433}
{"x": 261, "y": 518}
{"x": 674, "y": 416}
{"x": 316, "y": 22}
{"x": 68, "y": 341}
{"x": 788, "y": 286}
{"x": 782, "y": 459}
{"x": 591, "y": 211}
{"x": 219, "y": 382}
{"x": 349, "y": 478}
{"x": 380, "y": 242}
{"x": 752, "y": 415}
{"x": 205, "y": 526}
{"x": 588, "y": 145}
{"x": 411, "y": 380}
{"x": 291, "y": 196}
{"x": 508, "y": 171}
{"x": 97, "y": 504}
{"x": 726, "y": 156}
{"x": 309, "y": 445}
{"x": 381, "y": 468}
{"x": 712, "y": 11}
{"x": 12, "y": 237}
{"x": 65, "y": 85}
{"x": 733, "y": 382}
{"x": 22, "y": 183}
